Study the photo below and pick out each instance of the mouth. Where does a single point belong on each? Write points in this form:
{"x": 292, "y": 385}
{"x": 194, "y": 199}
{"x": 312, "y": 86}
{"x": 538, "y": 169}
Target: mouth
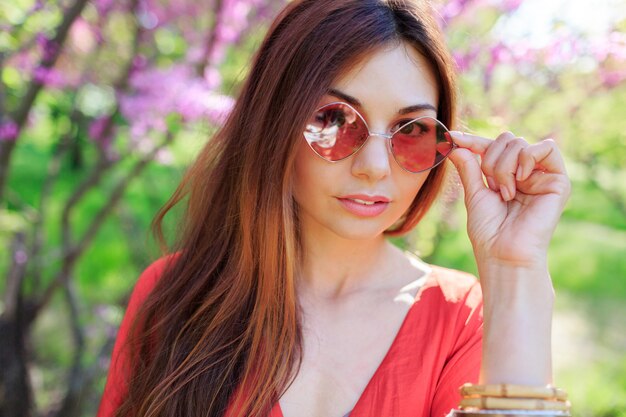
{"x": 363, "y": 208}
{"x": 366, "y": 200}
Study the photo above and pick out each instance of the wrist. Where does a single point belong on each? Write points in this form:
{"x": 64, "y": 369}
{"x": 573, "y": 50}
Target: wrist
{"x": 515, "y": 294}
{"x": 529, "y": 261}
{"x": 507, "y": 284}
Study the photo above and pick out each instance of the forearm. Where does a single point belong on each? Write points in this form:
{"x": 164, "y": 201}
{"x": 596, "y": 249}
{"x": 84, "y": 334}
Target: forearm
{"x": 518, "y": 305}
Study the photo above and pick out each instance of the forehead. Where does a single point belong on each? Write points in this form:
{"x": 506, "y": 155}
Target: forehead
{"x": 391, "y": 77}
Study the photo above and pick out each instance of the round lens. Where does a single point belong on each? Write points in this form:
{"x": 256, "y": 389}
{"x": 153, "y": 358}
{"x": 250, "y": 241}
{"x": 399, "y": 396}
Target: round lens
{"x": 335, "y": 131}
{"x": 421, "y": 144}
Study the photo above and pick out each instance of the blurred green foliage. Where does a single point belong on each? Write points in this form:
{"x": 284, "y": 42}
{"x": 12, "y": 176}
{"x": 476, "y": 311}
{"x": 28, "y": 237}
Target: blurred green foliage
{"x": 587, "y": 255}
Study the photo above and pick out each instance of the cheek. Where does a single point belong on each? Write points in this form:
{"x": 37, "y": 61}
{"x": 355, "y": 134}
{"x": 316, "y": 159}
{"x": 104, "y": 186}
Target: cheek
{"x": 308, "y": 177}
{"x": 409, "y": 187}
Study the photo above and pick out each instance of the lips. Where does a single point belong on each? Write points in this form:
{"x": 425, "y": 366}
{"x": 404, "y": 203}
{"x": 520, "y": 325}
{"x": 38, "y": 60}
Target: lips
{"x": 366, "y": 198}
{"x": 364, "y": 208}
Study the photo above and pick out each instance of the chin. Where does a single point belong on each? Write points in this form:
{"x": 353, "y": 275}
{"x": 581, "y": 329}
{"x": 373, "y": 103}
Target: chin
{"x": 346, "y": 226}
{"x": 360, "y": 230}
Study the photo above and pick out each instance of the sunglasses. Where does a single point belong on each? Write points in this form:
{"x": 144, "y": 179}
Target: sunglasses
{"x": 336, "y": 131}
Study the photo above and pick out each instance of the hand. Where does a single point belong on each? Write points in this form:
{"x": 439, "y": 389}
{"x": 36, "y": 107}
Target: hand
{"x": 511, "y": 220}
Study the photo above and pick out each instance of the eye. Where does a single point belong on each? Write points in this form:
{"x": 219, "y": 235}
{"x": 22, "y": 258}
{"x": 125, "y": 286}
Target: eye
{"x": 336, "y": 117}
{"x": 415, "y": 128}
{"x": 408, "y": 129}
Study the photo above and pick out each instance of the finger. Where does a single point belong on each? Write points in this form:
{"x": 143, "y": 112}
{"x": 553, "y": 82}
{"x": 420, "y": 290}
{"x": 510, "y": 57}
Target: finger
{"x": 491, "y": 157}
{"x": 540, "y": 182}
{"x": 506, "y": 167}
{"x": 468, "y": 167}
{"x": 492, "y": 184}
{"x": 544, "y": 155}
{"x": 476, "y": 144}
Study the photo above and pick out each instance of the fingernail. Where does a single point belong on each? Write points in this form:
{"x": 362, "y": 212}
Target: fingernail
{"x": 511, "y": 193}
{"x": 492, "y": 184}
{"x": 518, "y": 175}
{"x": 505, "y": 193}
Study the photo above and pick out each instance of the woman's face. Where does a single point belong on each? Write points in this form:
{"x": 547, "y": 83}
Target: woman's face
{"x": 386, "y": 81}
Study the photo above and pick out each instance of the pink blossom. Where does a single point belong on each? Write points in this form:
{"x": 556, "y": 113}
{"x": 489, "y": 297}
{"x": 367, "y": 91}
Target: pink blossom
{"x": 610, "y": 46}
{"x": 212, "y": 77}
{"x": 101, "y": 131}
{"x": 42, "y": 40}
{"x": 523, "y": 51}
{"x": 617, "y": 45}
{"x": 82, "y": 36}
{"x": 8, "y": 131}
{"x": 464, "y": 60}
{"x": 508, "y": 6}
{"x": 37, "y": 6}
{"x": 218, "y": 108}
{"x": 195, "y": 53}
{"x": 500, "y": 54}
{"x": 217, "y": 53}
{"x": 232, "y": 22}
{"x": 562, "y": 51}
{"x": 164, "y": 157}
{"x": 612, "y": 78}
{"x": 23, "y": 61}
{"x": 138, "y": 129}
{"x": 98, "y": 127}
{"x": 148, "y": 19}
{"x": 48, "y": 47}
{"x": 104, "y": 6}
{"x": 50, "y": 77}
{"x": 226, "y": 33}
{"x": 139, "y": 62}
{"x": 453, "y": 8}
{"x": 157, "y": 93}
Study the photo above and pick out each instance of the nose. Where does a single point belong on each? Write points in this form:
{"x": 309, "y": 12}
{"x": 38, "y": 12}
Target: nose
{"x": 373, "y": 160}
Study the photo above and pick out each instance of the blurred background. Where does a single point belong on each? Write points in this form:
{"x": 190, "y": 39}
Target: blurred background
{"x": 104, "y": 103}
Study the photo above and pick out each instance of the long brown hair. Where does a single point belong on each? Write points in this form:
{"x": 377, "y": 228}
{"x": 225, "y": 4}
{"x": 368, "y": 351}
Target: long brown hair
{"x": 224, "y": 314}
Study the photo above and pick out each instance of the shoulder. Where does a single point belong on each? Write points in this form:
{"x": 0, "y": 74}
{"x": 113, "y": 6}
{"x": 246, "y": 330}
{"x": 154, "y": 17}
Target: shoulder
{"x": 118, "y": 376}
{"x": 149, "y": 278}
{"x": 453, "y": 301}
{"x": 450, "y": 295}
{"x": 445, "y": 285}
{"x": 456, "y": 285}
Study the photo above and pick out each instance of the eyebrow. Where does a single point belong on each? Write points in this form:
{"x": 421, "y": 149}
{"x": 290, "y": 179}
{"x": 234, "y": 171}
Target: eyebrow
{"x": 355, "y": 102}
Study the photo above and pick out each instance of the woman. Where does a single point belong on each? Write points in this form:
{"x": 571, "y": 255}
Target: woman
{"x": 284, "y": 297}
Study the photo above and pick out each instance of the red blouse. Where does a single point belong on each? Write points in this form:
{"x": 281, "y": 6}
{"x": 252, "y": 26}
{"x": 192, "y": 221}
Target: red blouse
{"x": 437, "y": 349}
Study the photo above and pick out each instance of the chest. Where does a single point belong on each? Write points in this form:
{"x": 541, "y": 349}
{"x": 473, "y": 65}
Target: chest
{"x": 343, "y": 351}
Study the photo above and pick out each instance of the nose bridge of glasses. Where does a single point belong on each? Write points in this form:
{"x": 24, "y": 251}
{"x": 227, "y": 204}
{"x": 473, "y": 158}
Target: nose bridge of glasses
{"x": 388, "y": 148}
{"x": 385, "y": 135}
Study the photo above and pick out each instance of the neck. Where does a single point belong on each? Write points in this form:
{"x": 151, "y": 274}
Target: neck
{"x": 333, "y": 267}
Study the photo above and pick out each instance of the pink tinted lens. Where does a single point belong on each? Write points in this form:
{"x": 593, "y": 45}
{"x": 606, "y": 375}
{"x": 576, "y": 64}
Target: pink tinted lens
{"x": 335, "y": 131}
{"x": 421, "y": 144}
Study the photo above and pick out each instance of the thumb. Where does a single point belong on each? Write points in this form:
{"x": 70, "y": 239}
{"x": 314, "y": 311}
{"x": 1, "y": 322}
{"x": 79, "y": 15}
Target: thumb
{"x": 468, "y": 166}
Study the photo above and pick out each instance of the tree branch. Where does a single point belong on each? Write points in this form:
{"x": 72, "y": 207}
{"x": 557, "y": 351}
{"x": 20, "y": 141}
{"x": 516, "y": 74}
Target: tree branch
{"x": 48, "y": 60}
{"x": 70, "y": 406}
{"x": 209, "y": 43}
{"x": 54, "y": 167}
{"x": 15, "y": 277}
{"x": 72, "y": 255}
{"x": 71, "y": 252}
{"x": 15, "y": 388}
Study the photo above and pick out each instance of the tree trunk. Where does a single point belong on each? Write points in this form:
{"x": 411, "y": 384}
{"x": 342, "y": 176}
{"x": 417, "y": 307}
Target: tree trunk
{"x": 16, "y": 399}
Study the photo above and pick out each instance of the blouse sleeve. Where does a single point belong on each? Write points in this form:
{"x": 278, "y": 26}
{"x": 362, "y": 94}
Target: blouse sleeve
{"x": 464, "y": 361}
{"x": 116, "y": 384}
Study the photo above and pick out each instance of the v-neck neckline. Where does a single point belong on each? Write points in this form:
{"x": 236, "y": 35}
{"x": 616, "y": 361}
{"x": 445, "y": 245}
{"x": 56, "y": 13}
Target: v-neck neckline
{"x": 392, "y": 347}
